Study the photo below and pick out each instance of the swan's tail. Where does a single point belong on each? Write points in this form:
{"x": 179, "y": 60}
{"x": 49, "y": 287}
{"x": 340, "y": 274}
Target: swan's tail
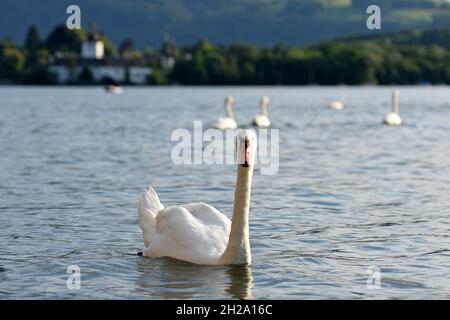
{"x": 149, "y": 205}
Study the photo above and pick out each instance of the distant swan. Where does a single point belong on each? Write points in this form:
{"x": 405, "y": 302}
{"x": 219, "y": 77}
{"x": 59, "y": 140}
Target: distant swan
{"x": 262, "y": 119}
{"x": 338, "y": 104}
{"x": 228, "y": 122}
{"x": 197, "y": 232}
{"x": 393, "y": 117}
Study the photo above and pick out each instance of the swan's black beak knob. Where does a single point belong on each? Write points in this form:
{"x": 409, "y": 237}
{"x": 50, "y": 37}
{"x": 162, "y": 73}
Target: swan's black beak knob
{"x": 246, "y": 145}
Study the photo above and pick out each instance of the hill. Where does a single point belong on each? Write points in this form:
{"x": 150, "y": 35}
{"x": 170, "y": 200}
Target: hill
{"x": 430, "y": 37}
{"x": 260, "y": 22}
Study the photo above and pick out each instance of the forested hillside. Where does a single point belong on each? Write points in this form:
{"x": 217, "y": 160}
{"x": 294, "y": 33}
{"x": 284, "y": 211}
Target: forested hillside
{"x": 260, "y": 22}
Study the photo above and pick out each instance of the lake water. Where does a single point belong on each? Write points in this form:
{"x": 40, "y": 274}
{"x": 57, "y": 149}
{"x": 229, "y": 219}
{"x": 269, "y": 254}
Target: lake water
{"x": 350, "y": 193}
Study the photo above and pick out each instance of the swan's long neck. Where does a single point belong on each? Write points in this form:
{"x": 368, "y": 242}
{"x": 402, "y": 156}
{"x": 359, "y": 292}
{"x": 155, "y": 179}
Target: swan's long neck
{"x": 263, "y": 108}
{"x": 238, "y": 248}
{"x": 395, "y": 98}
{"x": 229, "y": 110}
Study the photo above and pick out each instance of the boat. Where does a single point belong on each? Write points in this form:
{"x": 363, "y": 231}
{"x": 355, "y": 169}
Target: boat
{"x": 112, "y": 88}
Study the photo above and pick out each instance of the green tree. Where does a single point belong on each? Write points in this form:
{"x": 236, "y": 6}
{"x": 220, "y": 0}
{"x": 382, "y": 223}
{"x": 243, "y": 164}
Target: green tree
{"x": 39, "y": 75}
{"x": 110, "y": 49}
{"x": 36, "y": 68}
{"x": 33, "y": 39}
{"x": 86, "y": 76}
{"x": 12, "y": 62}
{"x": 158, "y": 77}
{"x": 63, "y": 39}
{"x": 37, "y": 58}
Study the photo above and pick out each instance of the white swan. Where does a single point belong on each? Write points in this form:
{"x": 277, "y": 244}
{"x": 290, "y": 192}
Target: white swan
{"x": 393, "y": 117}
{"x": 228, "y": 122}
{"x": 262, "y": 120}
{"x": 338, "y": 104}
{"x": 197, "y": 232}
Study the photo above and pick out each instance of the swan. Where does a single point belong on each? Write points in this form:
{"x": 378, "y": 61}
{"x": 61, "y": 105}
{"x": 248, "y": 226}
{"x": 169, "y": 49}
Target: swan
{"x": 338, "y": 104}
{"x": 262, "y": 120}
{"x": 197, "y": 232}
{"x": 228, "y": 122}
{"x": 393, "y": 117}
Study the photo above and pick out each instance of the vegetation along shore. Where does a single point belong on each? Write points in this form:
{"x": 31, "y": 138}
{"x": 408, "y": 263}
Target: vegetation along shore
{"x": 406, "y": 57}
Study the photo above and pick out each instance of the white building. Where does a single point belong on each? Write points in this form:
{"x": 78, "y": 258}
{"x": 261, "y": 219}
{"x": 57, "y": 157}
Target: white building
{"x": 94, "y": 47}
{"x": 103, "y": 70}
{"x": 93, "y": 50}
{"x": 139, "y": 74}
{"x": 103, "y": 73}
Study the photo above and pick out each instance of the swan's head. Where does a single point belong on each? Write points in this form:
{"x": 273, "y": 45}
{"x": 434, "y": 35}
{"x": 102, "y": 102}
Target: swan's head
{"x": 265, "y": 100}
{"x": 229, "y": 100}
{"x": 246, "y": 143}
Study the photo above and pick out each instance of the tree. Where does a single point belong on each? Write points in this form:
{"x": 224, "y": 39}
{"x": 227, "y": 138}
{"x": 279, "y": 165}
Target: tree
{"x": 36, "y": 68}
{"x": 11, "y": 61}
{"x": 126, "y": 45}
{"x": 39, "y": 75}
{"x": 33, "y": 39}
{"x": 110, "y": 49}
{"x": 37, "y": 57}
{"x": 86, "y": 76}
{"x": 63, "y": 39}
{"x": 157, "y": 77}
{"x": 128, "y": 52}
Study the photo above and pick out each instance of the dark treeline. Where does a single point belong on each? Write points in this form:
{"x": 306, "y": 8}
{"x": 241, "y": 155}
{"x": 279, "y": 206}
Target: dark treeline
{"x": 415, "y": 58}
{"x": 325, "y": 64}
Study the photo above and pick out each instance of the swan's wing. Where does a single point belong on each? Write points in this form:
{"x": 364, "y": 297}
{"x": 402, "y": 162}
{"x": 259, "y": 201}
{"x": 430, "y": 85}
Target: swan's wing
{"x": 149, "y": 205}
{"x": 225, "y": 123}
{"x": 220, "y": 123}
{"x": 261, "y": 121}
{"x": 196, "y": 233}
{"x": 393, "y": 119}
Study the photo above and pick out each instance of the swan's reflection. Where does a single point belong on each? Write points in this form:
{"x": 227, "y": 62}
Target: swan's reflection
{"x": 167, "y": 278}
{"x": 241, "y": 282}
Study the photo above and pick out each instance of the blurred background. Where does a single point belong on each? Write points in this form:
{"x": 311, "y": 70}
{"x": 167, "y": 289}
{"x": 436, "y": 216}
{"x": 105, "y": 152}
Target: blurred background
{"x": 245, "y": 42}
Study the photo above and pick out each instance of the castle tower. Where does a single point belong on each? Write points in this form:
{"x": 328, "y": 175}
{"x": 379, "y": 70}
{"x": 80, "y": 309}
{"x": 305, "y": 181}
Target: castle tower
{"x": 94, "y": 47}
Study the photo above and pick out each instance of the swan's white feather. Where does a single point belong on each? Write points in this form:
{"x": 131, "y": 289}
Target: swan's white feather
{"x": 261, "y": 121}
{"x": 393, "y": 119}
{"x": 195, "y": 232}
{"x": 149, "y": 206}
{"x": 225, "y": 123}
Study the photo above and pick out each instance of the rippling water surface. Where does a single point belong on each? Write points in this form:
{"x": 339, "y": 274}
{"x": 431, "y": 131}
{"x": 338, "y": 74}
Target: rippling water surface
{"x": 350, "y": 193}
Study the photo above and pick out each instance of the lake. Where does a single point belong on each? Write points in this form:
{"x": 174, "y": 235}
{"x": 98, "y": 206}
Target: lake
{"x": 352, "y": 197}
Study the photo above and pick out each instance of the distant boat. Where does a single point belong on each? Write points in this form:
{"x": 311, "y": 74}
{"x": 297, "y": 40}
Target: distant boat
{"x": 112, "y": 88}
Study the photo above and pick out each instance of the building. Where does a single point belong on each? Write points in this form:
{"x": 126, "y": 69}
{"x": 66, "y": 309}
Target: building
{"x": 70, "y": 68}
{"x": 94, "y": 48}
